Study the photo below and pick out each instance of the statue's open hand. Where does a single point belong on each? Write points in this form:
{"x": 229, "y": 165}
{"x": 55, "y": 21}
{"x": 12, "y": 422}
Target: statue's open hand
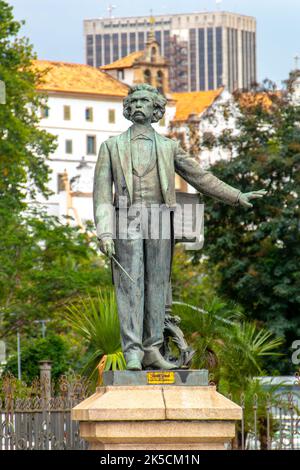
{"x": 107, "y": 246}
{"x": 246, "y": 197}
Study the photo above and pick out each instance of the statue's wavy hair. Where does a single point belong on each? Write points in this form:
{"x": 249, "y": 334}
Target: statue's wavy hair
{"x": 159, "y": 101}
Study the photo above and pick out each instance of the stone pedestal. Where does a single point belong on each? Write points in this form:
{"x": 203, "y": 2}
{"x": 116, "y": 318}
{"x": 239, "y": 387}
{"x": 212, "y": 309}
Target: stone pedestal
{"x": 177, "y": 415}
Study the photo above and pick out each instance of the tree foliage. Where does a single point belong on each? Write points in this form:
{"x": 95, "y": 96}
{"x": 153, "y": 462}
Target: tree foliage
{"x": 45, "y": 265}
{"x": 24, "y": 147}
{"x": 44, "y": 262}
{"x": 257, "y": 251}
{"x": 53, "y": 347}
{"x": 192, "y": 282}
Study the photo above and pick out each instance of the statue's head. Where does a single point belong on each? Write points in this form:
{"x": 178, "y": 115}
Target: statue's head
{"x": 144, "y": 103}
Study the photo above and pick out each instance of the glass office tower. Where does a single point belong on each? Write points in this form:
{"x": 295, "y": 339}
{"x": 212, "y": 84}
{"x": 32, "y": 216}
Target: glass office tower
{"x": 205, "y": 50}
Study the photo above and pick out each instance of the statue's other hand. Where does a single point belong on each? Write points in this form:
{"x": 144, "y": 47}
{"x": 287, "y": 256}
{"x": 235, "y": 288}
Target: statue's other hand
{"x": 107, "y": 246}
{"x": 246, "y": 197}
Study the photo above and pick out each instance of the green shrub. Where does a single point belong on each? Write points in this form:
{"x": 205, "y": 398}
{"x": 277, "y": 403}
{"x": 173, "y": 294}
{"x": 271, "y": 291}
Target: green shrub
{"x": 52, "y": 347}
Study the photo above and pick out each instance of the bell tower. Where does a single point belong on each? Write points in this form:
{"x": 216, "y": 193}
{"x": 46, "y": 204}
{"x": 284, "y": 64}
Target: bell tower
{"x": 151, "y": 67}
{"x": 146, "y": 66}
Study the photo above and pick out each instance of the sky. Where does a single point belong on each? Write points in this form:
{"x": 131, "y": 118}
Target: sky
{"x": 55, "y": 27}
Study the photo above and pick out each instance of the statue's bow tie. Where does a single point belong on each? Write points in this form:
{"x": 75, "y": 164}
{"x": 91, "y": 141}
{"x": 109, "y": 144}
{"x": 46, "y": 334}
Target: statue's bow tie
{"x": 141, "y": 136}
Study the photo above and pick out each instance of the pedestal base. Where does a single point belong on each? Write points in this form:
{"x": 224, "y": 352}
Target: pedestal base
{"x": 157, "y": 417}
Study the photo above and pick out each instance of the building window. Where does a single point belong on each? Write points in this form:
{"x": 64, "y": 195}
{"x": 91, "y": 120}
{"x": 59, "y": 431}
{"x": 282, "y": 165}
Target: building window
{"x": 158, "y": 36}
{"x": 69, "y": 146}
{"x": 107, "y": 49}
{"x": 160, "y": 81}
{"x": 141, "y": 39}
{"x": 153, "y": 54}
{"x": 123, "y": 44}
{"x": 67, "y": 113}
{"x": 232, "y": 46}
{"x": 91, "y": 145}
{"x": 210, "y": 58}
{"x": 201, "y": 50}
{"x": 60, "y": 182}
{"x": 253, "y": 58}
{"x": 193, "y": 59}
{"x": 90, "y": 49}
{"x": 89, "y": 114}
{"x": 236, "y": 58}
{"x": 112, "y": 116}
{"x": 147, "y": 76}
{"x": 115, "y": 41}
{"x": 121, "y": 74}
{"x": 219, "y": 52}
{"x": 98, "y": 50}
{"x": 229, "y": 57}
{"x": 132, "y": 42}
{"x": 167, "y": 44}
{"x": 44, "y": 112}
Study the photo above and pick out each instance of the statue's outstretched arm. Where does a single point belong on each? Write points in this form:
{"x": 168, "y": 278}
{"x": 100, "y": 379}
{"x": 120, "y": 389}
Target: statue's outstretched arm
{"x": 205, "y": 182}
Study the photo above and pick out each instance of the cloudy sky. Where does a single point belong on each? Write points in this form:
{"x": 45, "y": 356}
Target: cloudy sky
{"x": 55, "y": 27}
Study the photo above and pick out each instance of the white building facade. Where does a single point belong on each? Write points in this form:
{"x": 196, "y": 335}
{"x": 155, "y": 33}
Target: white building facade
{"x": 78, "y": 138}
{"x": 83, "y": 108}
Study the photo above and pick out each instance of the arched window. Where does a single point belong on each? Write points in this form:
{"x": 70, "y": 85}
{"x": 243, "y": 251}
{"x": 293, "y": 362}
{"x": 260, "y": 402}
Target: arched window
{"x": 147, "y": 76}
{"x": 153, "y": 54}
{"x": 160, "y": 81}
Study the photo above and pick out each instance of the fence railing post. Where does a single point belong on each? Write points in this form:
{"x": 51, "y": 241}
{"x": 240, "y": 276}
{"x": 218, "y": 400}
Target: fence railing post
{"x": 45, "y": 379}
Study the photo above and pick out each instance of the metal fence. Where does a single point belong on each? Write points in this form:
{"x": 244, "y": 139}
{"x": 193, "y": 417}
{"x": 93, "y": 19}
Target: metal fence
{"x": 37, "y": 421}
{"x": 39, "y": 416}
{"x": 267, "y": 425}
{"x": 271, "y": 418}
{"x": 32, "y": 425}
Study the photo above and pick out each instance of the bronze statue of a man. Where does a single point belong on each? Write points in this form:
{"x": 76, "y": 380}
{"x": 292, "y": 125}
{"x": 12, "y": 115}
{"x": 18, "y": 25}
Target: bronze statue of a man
{"x": 141, "y": 164}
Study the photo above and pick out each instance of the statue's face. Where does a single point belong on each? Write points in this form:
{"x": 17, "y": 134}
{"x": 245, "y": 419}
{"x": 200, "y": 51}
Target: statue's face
{"x": 141, "y": 105}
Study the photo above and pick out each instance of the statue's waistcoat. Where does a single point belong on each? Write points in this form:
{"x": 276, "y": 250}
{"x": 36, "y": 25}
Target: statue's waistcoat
{"x": 146, "y": 183}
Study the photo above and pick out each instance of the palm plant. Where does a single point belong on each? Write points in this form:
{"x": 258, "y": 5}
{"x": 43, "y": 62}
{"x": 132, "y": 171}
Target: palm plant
{"x": 96, "y": 320}
{"x": 225, "y": 343}
{"x": 242, "y": 356}
{"x": 207, "y": 330}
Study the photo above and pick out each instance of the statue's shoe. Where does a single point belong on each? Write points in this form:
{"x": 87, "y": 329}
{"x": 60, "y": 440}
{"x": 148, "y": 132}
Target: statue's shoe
{"x": 134, "y": 364}
{"x": 162, "y": 364}
{"x": 154, "y": 360}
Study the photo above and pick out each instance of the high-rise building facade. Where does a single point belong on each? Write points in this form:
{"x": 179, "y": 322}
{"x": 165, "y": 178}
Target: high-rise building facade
{"x": 205, "y": 50}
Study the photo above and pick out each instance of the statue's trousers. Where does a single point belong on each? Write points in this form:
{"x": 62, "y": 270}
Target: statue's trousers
{"x": 143, "y": 247}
